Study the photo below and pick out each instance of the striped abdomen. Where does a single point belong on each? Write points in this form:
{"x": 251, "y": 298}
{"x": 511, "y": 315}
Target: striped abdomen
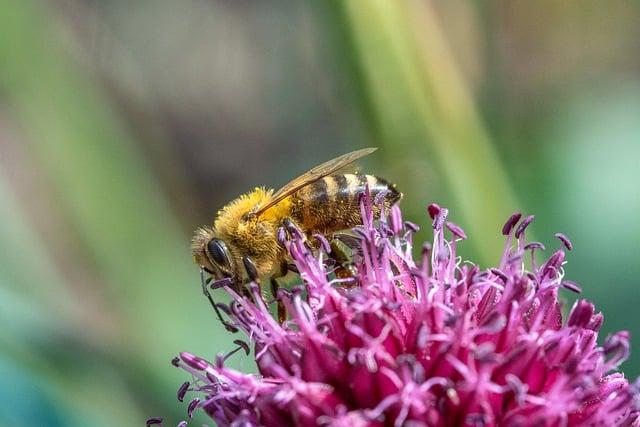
{"x": 332, "y": 203}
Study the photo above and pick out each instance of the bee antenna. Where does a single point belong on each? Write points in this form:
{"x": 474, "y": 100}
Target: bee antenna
{"x": 228, "y": 326}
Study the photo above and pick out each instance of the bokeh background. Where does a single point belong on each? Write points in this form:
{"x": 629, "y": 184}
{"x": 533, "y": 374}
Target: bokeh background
{"x": 124, "y": 125}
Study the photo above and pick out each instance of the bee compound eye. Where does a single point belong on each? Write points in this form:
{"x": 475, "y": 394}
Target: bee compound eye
{"x": 219, "y": 253}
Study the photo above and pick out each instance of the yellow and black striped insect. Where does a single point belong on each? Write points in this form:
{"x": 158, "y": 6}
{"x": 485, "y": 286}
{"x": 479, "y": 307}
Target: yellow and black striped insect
{"x": 243, "y": 245}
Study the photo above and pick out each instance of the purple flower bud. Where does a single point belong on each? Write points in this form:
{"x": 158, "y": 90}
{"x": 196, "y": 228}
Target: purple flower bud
{"x": 511, "y": 222}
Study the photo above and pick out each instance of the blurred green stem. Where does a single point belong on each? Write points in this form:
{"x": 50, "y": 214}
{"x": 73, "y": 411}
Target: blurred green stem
{"x": 421, "y": 99}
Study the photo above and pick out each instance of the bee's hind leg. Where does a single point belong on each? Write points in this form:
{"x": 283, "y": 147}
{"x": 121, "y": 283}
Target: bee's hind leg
{"x": 282, "y": 312}
{"x": 343, "y": 247}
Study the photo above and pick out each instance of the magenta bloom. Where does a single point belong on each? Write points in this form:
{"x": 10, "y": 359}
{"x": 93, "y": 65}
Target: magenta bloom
{"x": 433, "y": 342}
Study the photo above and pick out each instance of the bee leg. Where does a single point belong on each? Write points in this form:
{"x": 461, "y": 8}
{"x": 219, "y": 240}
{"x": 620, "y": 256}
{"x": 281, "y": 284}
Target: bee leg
{"x": 282, "y": 311}
{"x": 228, "y": 326}
{"x": 252, "y": 274}
{"x": 250, "y": 267}
{"x": 342, "y": 253}
{"x": 346, "y": 239}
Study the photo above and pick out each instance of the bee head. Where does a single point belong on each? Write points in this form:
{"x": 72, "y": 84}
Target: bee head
{"x": 212, "y": 253}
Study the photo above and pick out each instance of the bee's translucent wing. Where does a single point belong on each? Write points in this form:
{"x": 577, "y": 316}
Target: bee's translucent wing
{"x": 313, "y": 175}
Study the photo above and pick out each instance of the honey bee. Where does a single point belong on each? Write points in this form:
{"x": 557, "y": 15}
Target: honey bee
{"x": 243, "y": 246}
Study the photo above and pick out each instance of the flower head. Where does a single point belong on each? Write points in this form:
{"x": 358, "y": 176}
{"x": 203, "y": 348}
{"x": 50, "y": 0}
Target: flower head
{"x": 428, "y": 342}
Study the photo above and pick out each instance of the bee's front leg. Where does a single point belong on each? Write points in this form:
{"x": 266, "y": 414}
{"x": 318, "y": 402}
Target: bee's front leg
{"x": 282, "y": 312}
{"x": 252, "y": 275}
{"x": 228, "y": 326}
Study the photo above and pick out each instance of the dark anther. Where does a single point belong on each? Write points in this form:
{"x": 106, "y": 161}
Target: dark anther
{"x": 224, "y": 307}
{"x": 250, "y": 267}
{"x": 324, "y": 243}
{"x": 362, "y": 233}
{"x": 500, "y": 274}
{"x": 244, "y": 346}
{"x": 456, "y": 230}
{"x": 565, "y": 240}
{"x": 292, "y": 229}
{"x": 154, "y": 421}
{"x": 229, "y": 327}
{"x": 411, "y": 226}
{"x": 434, "y": 210}
{"x": 192, "y": 406}
{"x": 511, "y": 222}
{"x": 217, "y": 284}
{"x": 176, "y": 362}
{"x": 534, "y": 245}
{"x": 572, "y": 286}
{"x": 553, "y": 263}
{"x": 287, "y": 223}
{"x": 183, "y": 390}
{"x": 523, "y": 226}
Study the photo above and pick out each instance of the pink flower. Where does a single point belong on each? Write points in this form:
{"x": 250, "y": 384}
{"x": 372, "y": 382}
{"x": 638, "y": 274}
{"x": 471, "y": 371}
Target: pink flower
{"x": 432, "y": 342}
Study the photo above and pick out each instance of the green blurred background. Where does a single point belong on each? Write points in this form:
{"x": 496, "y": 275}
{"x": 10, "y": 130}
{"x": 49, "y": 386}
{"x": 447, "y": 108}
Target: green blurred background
{"x": 124, "y": 125}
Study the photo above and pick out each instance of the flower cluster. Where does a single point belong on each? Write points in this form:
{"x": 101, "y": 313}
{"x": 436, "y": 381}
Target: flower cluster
{"x": 428, "y": 342}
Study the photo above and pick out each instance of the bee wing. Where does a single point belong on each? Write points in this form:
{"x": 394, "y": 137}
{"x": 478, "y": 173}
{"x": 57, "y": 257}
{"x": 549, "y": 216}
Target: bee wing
{"x": 313, "y": 175}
